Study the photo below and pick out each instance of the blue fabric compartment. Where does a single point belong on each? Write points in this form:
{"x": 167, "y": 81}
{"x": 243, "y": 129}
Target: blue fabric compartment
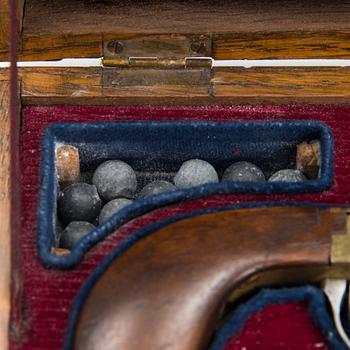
{"x": 157, "y": 149}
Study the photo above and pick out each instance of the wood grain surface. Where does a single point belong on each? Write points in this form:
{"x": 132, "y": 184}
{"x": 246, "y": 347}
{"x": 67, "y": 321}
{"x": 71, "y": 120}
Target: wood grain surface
{"x": 278, "y": 82}
{"x": 240, "y": 29}
{"x": 192, "y": 16}
{"x": 226, "y": 86}
{"x": 4, "y": 25}
{"x": 54, "y": 47}
{"x": 281, "y": 45}
{"x": 242, "y": 45}
{"x": 170, "y": 287}
{"x": 262, "y": 45}
{"x": 5, "y": 215}
{"x": 55, "y": 82}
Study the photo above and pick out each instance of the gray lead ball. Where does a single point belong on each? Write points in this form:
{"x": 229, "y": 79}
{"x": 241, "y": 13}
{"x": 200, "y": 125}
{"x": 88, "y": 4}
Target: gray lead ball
{"x": 112, "y": 207}
{"x": 195, "y": 172}
{"x": 79, "y": 202}
{"x": 73, "y": 232}
{"x": 156, "y": 187}
{"x": 114, "y": 179}
{"x": 244, "y": 171}
{"x": 288, "y": 175}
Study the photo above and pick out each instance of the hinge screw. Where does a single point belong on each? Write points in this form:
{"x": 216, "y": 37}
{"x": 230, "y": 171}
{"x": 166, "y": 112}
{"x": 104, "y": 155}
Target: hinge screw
{"x": 198, "y": 47}
{"x": 115, "y": 47}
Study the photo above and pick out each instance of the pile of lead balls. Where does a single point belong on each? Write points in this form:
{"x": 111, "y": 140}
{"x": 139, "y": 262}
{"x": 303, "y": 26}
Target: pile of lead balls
{"x": 81, "y": 206}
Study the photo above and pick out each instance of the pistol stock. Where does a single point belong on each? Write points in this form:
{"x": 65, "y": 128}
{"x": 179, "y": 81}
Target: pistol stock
{"x": 168, "y": 289}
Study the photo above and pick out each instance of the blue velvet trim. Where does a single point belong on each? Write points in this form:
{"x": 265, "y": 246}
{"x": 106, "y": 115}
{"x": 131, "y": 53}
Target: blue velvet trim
{"x": 162, "y": 147}
{"x": 311, "y": 295}
{"x": 134, "y": 238}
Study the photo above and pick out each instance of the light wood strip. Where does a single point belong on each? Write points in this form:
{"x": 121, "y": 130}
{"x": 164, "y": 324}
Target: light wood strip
{"x": 281, "y": 45}
{"x": 65, "y": 82}
{"x": 242, "y": 45}
{"x": 292, "y": 84}
{"x": 48, "y": 47}
{"x": 5, "y": 214}
{"x": 227, "y": 86}
{"x": 4, "y": 25}
{"x": 84, "y": 85}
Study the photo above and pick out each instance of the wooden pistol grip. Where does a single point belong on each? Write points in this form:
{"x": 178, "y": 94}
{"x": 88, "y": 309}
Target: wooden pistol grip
{"x": 168, "y": 289}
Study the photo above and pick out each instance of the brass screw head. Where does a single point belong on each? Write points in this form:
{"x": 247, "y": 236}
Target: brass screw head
{"x": 115, "y": 46}
{"x": 198, "y": 47}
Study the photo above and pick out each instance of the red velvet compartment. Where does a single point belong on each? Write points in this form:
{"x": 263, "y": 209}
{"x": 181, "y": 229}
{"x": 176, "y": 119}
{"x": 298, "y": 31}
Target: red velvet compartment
{"x": 288, "y": 326}
{"x": 40, "y": 316}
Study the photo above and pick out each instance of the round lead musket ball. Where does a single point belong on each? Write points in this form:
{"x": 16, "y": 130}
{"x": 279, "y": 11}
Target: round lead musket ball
{"x": 112, "y": 207}
{"x": 156, "y": 187}
{"x": 244, "y": 171}
{"x": 73, "y": 232}
{"x": 287, "y": 175}
{"x": 79, "y": 202}
{"x": 115, "y": 178}
{"x": 195, "y": 172}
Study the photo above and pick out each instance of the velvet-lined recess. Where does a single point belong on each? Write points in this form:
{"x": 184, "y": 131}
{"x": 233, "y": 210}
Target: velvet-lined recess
{"x": 40, "y": 313}
{"x": 146, "y": 147}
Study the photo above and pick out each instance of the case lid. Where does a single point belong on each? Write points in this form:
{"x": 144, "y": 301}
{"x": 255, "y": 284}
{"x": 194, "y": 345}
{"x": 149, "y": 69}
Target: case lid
{"x": 241, "y": 29}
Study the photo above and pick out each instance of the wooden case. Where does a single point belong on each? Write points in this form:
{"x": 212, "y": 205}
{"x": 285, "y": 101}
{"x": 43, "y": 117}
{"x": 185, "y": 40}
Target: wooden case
{"x": 144, "y": 46}
{"x": 173, "y": 30}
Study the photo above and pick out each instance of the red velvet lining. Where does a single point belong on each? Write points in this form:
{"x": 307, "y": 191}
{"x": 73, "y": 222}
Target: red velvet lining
{"x": 288, "y": 326}
{"x": 48, "y": 294}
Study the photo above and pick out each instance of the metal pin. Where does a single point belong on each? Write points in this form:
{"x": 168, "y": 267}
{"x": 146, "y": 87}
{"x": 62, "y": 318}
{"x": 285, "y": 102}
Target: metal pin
{"x": 67, "y": 164}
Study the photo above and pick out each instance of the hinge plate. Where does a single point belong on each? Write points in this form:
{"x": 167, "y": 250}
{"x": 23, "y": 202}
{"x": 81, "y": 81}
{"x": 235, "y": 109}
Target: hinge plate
{"x": 146, "y": 78}
{"x": 163, "y": 51}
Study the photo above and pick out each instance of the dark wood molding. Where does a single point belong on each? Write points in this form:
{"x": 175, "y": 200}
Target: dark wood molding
{"x": 192, "y": 16}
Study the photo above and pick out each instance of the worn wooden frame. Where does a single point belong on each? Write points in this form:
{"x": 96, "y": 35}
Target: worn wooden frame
{"x": 263, "y": 45}
{"x": 57, "y": 85}
{"x": 239, "y": 29}
{"x": 321, "y": 29}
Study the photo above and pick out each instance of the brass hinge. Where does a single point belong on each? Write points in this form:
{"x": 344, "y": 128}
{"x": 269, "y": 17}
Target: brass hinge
{"x": 159, "y": 51}
{"x": 155, "y": 62}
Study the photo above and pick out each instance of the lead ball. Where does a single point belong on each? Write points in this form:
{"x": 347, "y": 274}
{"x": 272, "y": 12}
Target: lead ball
{"x": 195, "y": 172}
{"x": 112, "y": 207}
{"x": 244, "y": 171}
{"x": 73, "y": 232}
{"x": 288, "y": 175}
{"x": 79, "y": 202}
{"x": 114, "y": 179}
{"x": 156, "y": 187}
